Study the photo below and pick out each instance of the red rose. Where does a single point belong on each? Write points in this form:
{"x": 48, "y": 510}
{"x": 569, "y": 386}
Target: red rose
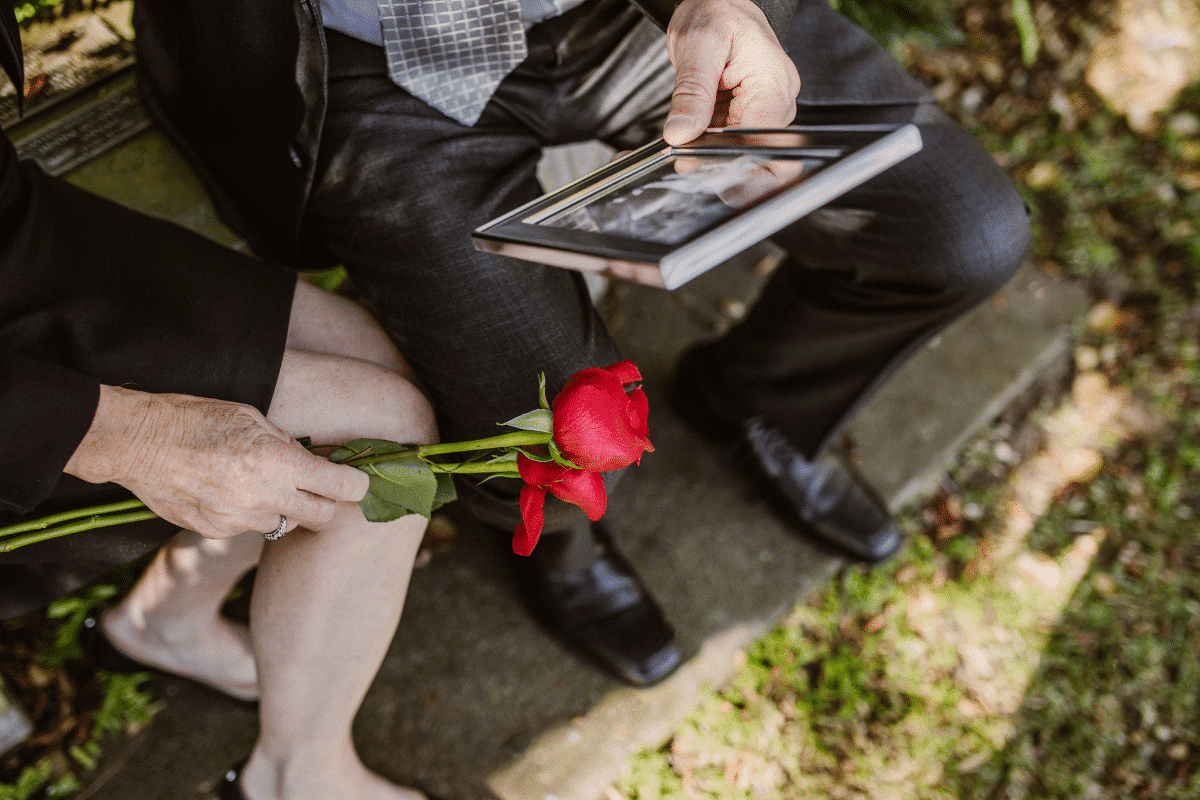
{"x": 584, "y": 489}
{"x": 599, "y": 424}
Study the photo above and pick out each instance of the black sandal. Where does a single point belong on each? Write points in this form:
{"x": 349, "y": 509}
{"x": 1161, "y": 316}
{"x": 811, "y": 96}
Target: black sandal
{"x": 230, "y": 785}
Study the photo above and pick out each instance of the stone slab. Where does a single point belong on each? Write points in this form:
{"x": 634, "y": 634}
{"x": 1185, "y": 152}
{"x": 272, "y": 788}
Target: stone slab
{"x": 147, "y": 174}
{"x": 915, "y": 425}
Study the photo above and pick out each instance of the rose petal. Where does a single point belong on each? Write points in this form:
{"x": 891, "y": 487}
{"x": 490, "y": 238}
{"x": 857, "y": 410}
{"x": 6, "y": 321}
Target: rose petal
{"x": 625, "y": 371}
{"x": 530, "y": 530}
{"x": 639, "y": 411}
{"x": 538, "y": 473}
{"x": 597, "y": 424}
{"x": 584, "y": 489}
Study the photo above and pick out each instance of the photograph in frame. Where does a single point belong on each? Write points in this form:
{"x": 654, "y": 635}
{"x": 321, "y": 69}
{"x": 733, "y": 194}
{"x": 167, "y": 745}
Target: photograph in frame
{"x": 663, "y": 215}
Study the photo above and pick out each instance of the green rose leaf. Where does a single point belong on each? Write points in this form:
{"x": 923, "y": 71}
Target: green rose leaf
{"x": 539, "y": 454}
{"x": 376, "y": 509}
{"x": 539, "y": 420}
{"x": 406, "y": 482}
{"x": 557, "y": 456}
{"x": 446, "y": 493}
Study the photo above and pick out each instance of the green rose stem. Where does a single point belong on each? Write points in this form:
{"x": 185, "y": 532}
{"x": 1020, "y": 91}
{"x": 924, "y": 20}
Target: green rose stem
{"x": 54, "y": 519}
{"x": 103, "y": 516}
{"x": 504, "y": 440}
{"x": 10, "y": 542}
{"x": 476, "y": 468}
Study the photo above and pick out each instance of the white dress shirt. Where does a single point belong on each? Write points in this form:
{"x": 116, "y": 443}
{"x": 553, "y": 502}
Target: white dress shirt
{"x": 360, "y": 18}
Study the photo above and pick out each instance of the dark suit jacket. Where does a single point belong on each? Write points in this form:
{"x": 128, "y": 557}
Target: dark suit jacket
{"x": 45, "y": 407}
{"x": 92, "y": 293}
{"x": 240, "y": 89}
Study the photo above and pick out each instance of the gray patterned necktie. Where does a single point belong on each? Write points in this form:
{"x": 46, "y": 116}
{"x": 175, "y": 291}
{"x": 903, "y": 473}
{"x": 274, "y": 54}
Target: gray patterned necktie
{"x": 452, "y": 53}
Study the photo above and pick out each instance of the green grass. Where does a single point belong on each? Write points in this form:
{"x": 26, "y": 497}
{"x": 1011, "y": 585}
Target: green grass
{"x": 80, "y": 709}
{"x": 1112, "y": 710}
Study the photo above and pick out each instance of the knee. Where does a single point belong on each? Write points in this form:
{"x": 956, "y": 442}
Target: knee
{"x": 391, "y": 407}
{"x": 322, "y": 322}
{"x": 334, "y": 398}
{"x": 972, "y": 227}
{"x": 978, "y": 253}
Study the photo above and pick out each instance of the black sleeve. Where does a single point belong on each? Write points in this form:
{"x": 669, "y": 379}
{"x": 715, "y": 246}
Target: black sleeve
{"x": 45, "y": 408}
{"x": 778, "y": 12}
{"x": 10, "y": 51}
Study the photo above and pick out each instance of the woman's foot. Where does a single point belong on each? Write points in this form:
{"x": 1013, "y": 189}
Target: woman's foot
{"x": 312, "y": 778}
{"x": 213, "y": 652}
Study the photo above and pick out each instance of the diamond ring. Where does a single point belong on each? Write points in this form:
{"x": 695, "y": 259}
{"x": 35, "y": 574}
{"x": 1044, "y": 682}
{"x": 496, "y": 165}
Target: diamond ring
{"x": 278, "y": 532}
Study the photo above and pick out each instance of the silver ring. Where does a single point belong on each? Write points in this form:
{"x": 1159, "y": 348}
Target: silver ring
{"x": 278, "y": 532}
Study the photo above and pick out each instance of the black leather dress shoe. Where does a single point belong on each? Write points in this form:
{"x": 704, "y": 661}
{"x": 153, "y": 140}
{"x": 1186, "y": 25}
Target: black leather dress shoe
{"x": 824, "y": 496}
{"x": 585, "y": 593}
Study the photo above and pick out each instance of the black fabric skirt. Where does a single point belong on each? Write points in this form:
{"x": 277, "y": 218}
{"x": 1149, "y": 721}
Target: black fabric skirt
{"x": 154, "y": 308}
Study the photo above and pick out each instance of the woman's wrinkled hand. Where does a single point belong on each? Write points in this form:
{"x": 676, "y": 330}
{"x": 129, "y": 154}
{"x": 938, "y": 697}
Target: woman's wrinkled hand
{"x": 214, "y": 467}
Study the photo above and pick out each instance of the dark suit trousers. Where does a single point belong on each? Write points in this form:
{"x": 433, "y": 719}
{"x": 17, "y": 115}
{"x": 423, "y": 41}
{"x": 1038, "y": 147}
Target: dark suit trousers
{"x": 868, "y": 279}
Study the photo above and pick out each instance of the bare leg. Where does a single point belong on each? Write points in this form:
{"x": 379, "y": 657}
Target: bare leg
{"x": 171, "y": 618}
{"x": 326, "y": 603}
{"x": 326, "y": 323}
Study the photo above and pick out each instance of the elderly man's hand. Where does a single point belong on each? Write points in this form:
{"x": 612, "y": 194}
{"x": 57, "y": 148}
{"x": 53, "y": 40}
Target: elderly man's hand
{"x": 731, "y": 70}
{"x": 213, "y": 467}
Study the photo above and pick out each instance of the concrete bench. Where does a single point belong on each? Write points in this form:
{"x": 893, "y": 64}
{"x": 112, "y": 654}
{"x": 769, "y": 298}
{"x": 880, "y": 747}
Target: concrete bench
{"x": 473, "y": 700}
